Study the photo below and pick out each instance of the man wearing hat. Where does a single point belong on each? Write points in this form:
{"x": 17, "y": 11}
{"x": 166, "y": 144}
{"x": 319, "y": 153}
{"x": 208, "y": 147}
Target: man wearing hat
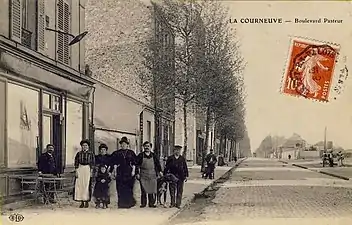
{"x": 123, "y": 162}
{"x": 177, "y": 166}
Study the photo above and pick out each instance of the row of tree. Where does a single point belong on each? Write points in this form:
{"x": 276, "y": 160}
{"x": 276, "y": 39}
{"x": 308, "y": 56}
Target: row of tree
{"x": 202, "y": 68}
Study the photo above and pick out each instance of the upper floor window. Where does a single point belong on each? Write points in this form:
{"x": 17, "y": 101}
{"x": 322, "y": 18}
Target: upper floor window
{"x": 27, "y": 23}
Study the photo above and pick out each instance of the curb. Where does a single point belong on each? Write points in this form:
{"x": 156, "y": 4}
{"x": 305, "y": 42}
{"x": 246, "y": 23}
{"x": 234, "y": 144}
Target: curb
{"x": 334, "y": 175}
{"x": 189, "y": 201}
{"x": 303, "y": 167}
{"x": 322, "y": 172}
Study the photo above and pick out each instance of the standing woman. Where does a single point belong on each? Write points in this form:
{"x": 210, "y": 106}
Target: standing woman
{"x": 123, "y": 162}
{"x": 84, "y": 166}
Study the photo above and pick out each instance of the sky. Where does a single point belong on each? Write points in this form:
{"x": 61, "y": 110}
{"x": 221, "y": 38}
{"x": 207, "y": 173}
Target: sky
{"x": 265, "y": 47}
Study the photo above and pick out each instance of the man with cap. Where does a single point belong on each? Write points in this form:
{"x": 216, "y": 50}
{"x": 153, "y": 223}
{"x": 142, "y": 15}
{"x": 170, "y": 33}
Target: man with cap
{"x": 211, "y": 160}
{"x": 176, "y": 165}
{"x": 122, "y": 164}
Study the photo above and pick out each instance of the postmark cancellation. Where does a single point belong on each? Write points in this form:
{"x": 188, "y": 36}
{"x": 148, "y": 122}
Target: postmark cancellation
{"x": 310, "y": 69}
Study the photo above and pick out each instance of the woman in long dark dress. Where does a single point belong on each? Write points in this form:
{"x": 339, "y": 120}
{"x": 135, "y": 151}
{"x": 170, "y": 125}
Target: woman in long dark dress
{"x": 84, "y": 166}
{"x": 101, "y": 188}
{"x": 123, "y": 167}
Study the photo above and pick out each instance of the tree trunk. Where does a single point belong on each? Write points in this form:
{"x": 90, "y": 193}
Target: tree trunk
{"x": 225, "y": 147}
{"x": 156, "y": 125}
{"x": 221, "y": 150}
{"x": 185, "y": 136}
{"x": 206, "y": 142}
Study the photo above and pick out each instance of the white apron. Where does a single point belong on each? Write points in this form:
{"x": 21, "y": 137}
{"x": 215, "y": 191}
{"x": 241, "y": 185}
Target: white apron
{"x": 82, "y": 184}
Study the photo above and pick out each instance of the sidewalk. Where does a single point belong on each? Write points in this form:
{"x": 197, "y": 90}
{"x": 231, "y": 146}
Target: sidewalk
{"x": 315, "y": 165}
{"x": 70, "y": 213}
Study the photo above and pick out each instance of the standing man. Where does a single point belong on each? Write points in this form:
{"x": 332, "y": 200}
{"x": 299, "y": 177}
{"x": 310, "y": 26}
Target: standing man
{"x": 211, "y": 161}
{"x": 47, "y": 165}
{"x": 177, "y": 166}
{"x": 148, "y": 169}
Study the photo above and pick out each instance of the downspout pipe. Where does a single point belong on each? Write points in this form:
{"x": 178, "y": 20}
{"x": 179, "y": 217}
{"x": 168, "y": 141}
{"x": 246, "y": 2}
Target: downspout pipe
{"x": 91, "y": 124}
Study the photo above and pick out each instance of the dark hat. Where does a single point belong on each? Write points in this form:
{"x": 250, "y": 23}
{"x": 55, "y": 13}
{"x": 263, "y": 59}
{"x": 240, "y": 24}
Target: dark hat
{"x": 178, "y": 147}
{"x": 124, "y": 139}
{"x": 85, "y": 141}
{"x": 103, "y": 146}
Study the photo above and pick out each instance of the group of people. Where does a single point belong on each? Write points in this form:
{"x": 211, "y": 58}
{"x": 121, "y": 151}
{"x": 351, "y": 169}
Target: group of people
{"x": 328, "y": 158}
{"x": 125, "y": 167}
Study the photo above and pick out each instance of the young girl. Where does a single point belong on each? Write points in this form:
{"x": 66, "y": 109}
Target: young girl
{"x": 101, "y": 189}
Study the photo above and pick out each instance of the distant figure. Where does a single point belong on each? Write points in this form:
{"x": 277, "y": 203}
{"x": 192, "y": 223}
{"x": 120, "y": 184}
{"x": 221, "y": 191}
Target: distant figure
{"x": 101, "y": 188}
{"x": 221, "y": 161}
{"x": 340, "y": 158}
{"x": 289, "y": 157}
{"x": 211, "y": 160}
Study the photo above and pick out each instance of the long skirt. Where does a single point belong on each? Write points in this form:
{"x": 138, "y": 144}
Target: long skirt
{"x": 125, "y": 198}
{"x": 83, "y": 190}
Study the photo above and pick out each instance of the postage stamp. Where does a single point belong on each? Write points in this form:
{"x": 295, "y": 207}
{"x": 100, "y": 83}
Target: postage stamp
{"x": 310, "y": 69}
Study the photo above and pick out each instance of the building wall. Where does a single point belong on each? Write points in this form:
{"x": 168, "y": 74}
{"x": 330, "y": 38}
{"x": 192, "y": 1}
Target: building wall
{"x": 117, "y": 115}
{"x": 114, "y": 54}
{"x": 119, "y": 30}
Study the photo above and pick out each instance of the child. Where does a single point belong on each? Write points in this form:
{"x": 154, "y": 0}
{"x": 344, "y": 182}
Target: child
{"x": 101, "y": 189}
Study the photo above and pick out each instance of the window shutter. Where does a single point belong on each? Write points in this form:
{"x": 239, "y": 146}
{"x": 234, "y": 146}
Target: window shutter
{"x": 16, "y": 20}
{"x": 67, "y": 30}
{"x": 63, "y": 24}
{"x": 41, "y": 26}
{"x": 60, "y": 27}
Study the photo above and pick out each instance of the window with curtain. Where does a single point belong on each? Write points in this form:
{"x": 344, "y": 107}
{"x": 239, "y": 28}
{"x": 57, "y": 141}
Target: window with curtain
{"x": 74, "y": 130}
{"x": 22, "y": 125}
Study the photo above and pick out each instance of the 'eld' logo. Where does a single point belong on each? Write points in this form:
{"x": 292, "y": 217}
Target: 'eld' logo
{"x": 15, "y": 217}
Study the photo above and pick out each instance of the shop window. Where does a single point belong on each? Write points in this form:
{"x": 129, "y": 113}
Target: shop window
{"x": 22, "y": 126}
{"x": 74, "y": 130}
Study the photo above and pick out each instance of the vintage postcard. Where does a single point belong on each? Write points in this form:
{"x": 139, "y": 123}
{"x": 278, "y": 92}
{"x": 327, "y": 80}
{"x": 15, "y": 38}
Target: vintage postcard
{"x": 170, "y": 112}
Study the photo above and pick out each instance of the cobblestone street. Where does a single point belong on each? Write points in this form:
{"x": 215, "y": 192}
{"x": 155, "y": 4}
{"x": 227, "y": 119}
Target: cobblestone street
{"x": 263, "y": 188}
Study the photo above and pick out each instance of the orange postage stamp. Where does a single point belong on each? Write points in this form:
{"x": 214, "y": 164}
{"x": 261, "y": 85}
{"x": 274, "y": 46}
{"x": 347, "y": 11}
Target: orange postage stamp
{"x": 310, "y": 69}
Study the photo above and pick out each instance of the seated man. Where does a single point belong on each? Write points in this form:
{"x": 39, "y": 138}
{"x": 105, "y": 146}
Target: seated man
{"x": 47, "y": 166}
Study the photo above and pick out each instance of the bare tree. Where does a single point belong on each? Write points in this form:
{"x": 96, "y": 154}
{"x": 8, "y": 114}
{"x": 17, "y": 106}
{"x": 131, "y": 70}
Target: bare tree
{"x": 184, "y": 19}
{"x": 220, "y": 90}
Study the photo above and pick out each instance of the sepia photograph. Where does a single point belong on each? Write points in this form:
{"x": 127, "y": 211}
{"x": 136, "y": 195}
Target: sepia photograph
{"x": 175, "y": 112}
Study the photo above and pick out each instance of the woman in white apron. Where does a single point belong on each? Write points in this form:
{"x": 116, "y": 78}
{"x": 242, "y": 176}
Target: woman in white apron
{"x": 147, "y": 171}
{"x": 84, "y": 165}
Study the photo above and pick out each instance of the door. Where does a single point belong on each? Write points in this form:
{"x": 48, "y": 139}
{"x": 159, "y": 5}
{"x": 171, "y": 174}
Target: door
{"x": 52, "y": 134}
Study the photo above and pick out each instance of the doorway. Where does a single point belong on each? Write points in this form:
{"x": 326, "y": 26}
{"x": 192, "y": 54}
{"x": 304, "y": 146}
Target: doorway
{"x": 52, "y": 134}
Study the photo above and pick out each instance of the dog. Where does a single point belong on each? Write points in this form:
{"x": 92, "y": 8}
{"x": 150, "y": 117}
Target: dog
{"x": 162, "y": 187}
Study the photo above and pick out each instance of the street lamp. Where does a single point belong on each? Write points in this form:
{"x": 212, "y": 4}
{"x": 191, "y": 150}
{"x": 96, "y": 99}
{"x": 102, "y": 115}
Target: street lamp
{"x": 75, "y": 39}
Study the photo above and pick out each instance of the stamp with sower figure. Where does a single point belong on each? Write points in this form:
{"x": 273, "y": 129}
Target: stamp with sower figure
{"x": 310, "y": 69}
